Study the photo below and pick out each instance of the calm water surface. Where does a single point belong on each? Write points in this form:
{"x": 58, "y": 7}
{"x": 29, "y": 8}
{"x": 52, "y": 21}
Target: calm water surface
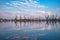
{"x": 29, "y": 31}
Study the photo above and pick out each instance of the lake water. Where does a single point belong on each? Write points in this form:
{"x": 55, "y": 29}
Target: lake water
{"x": 29, "y": 31}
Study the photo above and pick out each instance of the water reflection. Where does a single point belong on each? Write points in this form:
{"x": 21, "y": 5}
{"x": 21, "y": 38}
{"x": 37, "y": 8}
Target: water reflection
{"x": 30, "y": 31}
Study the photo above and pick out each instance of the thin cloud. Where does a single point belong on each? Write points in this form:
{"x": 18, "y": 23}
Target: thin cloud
{"x": 28, "y": 7}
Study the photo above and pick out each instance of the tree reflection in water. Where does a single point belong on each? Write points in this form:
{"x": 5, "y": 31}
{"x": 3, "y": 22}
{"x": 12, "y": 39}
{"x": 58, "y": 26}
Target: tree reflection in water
{"x": 30, "y": 30}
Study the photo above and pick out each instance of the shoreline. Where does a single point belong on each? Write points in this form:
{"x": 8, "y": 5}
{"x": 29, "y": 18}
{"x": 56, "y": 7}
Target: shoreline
{"x": 29, "y": 20}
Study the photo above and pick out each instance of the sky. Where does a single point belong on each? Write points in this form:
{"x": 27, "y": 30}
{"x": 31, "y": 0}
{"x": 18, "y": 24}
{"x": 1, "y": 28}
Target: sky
{"x": 33, "y": 8}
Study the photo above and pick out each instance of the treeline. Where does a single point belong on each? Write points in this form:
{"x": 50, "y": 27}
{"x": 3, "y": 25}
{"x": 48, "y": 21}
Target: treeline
{"x": 52, "y": 18}
{"x": 47, "y": 18}
{"x": 31, "y": 19}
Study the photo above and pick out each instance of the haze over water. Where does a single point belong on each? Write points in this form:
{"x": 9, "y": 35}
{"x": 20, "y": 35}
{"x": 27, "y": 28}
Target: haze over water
{"x": 29, "y": 31}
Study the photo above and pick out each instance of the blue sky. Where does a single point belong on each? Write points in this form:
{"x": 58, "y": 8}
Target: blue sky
{"x": 36, "y": 8}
